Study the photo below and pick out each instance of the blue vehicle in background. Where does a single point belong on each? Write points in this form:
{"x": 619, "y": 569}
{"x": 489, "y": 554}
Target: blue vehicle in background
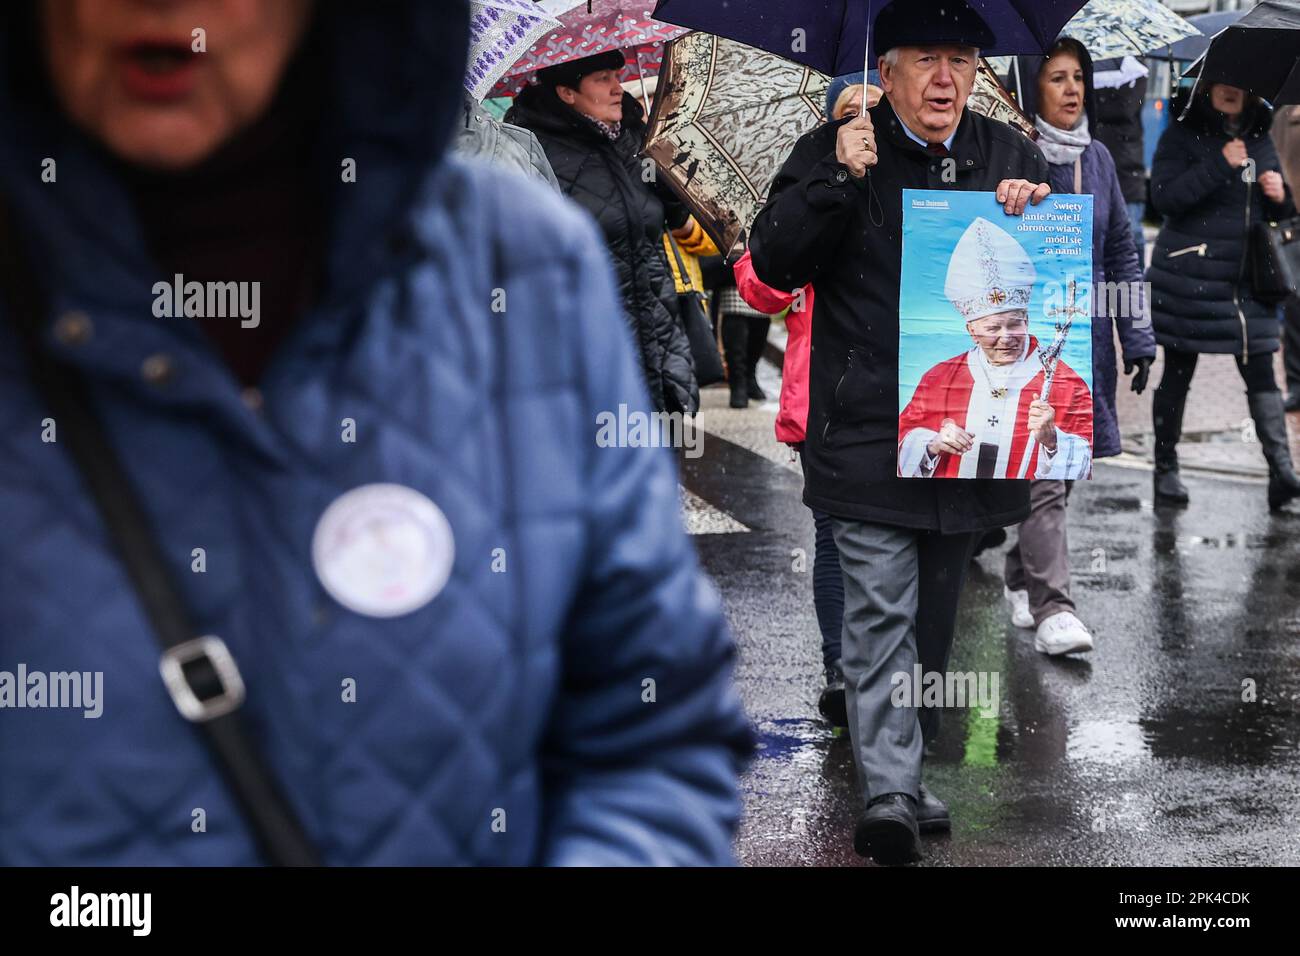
{"x": 1155, "y": 110}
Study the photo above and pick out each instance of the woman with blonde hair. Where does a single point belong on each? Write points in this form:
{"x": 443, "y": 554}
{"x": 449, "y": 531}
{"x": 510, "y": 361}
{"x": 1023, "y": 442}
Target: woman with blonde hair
{"x": 844, "y": 96}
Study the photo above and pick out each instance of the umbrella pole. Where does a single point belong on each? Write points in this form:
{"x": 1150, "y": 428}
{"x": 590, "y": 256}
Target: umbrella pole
{"x": 873, "y": 202}
{"x": 640, "y": 75}
{"x": 866, "y": 58}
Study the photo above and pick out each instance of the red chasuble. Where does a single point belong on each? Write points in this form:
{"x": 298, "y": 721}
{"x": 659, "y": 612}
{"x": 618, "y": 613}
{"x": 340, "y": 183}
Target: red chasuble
{"x": 961, "y": 389}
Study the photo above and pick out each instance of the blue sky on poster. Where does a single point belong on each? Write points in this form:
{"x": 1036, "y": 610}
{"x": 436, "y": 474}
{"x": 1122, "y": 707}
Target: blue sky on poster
{"x": 931, "y": 330}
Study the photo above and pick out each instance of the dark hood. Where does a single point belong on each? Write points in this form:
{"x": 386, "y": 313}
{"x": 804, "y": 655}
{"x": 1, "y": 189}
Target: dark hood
{"x": 390, "y": 79}
{"x": 1030, "y": 66}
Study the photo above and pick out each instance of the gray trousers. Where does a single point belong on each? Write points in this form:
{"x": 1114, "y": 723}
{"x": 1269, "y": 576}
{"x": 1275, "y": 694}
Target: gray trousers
{"x": 901, "y": 589}
{"x": 1040, "y": 560}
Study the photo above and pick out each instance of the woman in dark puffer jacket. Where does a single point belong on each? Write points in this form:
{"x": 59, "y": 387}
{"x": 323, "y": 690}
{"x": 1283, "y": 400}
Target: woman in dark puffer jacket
{"x": 592, "y": 133}
{"x": 1202, "y": 183}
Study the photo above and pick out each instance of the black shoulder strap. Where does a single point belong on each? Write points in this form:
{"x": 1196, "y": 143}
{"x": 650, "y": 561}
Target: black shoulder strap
{"x": 201, "y": 676}
{"x": 681, "y": 266}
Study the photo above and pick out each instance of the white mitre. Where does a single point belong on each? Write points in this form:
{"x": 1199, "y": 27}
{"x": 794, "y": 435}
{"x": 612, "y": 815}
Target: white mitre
{"x": 989, "y": 272}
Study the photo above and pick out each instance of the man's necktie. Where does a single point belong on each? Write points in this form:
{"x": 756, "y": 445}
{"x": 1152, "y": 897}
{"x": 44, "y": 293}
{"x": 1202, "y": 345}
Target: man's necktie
{"x": 938, "y": 149}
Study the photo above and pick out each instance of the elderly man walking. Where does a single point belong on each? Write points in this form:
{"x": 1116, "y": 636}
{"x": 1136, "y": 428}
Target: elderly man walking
{"x": 835, "y": 219}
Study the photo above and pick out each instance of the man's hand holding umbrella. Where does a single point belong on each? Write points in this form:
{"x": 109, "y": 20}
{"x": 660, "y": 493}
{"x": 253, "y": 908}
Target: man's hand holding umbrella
{"x": 855, "y": 146}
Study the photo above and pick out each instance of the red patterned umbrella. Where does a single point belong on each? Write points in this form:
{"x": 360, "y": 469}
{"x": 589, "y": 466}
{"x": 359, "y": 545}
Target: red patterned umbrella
{"x": 590, "y": 27}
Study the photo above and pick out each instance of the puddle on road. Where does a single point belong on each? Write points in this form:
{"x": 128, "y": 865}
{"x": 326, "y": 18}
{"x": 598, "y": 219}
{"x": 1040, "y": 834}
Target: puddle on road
{"x": 1107, "y": 581}
{"x": 789, "y": 737}
{"x": 1260, "y": 736}
{"x": 1114, "y": 549}
{"x": 1249, "y": 542}
{"x": 1256, "y": 733}
{"x": 1108, "y": 505}
{"x": 1110, "y": 741}
{"x": 1165, "y": 543}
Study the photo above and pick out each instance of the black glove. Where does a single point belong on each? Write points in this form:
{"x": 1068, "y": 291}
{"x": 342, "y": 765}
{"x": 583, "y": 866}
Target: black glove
{"x": 1143, "y": 366}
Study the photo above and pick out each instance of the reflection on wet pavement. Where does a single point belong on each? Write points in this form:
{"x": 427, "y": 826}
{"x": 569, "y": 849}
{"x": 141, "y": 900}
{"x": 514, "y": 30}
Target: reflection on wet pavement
{"x": 1177, "y": 741}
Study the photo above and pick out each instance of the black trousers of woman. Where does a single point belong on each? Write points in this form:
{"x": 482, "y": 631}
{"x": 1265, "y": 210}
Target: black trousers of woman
{"x": 1266, "y": 409}
{"x": 1291, "y": 350}
{"x": 828, "y": 599}
{"x": 743, "y": 340}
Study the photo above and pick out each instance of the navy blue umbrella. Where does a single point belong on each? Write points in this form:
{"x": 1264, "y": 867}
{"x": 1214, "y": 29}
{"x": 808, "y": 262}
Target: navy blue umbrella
{"x": 831, "y": 35}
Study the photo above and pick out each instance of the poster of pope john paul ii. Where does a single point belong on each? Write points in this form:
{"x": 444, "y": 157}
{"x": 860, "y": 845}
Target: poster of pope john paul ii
{"x": 995, "y": 338}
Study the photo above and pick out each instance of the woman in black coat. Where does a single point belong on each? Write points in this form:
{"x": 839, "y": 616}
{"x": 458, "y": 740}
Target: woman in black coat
{"x": 1204, "y": 184}
{"x": 592, "y": 133}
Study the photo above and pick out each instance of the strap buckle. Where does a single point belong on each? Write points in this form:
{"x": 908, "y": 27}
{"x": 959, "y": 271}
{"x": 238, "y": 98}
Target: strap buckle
{"x": 212, "y": 650}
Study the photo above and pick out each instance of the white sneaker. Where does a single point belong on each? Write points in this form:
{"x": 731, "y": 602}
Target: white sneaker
{"x": 1062, "y": 633}
{"x": 1019, "y": 601}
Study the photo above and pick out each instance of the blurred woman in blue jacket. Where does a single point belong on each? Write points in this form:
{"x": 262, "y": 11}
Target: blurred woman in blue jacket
{"x": 468, "y": 632}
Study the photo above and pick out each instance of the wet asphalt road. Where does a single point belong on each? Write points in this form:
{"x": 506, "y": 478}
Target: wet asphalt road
{"x": 1141, "y": 753}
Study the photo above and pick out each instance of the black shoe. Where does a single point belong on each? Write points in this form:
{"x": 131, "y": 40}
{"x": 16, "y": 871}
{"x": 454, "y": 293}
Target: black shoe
{"x": 1270, "y": 427}
{"x": 1169, "y": 488}
{"x": 887, "y": 832}
{"x": 1282, "y": 491}
{"x": 1292, "y": 400}
{"x": 831, "y": 704}
{"x": 1167, "y": 410}
{"x": 990, "y": 539}
{"x": 754, "y": 392}
{"x": 738, "y": 397}
{"x": 932, "y": 813}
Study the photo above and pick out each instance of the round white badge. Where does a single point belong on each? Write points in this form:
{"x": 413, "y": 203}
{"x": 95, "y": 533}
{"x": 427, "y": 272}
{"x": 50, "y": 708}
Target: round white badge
{"x": 383, "y": 550}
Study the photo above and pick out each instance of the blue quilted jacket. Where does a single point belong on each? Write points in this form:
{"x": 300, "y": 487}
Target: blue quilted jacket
{"x": 504, "y": 722}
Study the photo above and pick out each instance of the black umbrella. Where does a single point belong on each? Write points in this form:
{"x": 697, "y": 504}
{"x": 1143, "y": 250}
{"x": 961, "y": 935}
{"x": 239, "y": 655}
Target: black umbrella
{"x": 1259, "y": 53}
{"x": 1191, "y": 48}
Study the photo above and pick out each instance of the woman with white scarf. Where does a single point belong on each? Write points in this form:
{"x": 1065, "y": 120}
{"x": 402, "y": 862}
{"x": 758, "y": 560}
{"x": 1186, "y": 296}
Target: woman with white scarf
{"x": 1057, "y": 91}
